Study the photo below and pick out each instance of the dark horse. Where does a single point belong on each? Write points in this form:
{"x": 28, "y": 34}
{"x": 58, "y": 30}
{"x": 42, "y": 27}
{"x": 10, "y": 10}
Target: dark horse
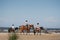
{"x": 12, "y": 30}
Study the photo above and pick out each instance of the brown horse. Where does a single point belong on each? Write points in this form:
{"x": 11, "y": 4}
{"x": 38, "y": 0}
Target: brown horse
{"x": 22, "y": 28}
{"x": 25, "y": 28}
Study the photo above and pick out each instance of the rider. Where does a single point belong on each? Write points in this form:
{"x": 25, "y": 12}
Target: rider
{"x": 13, "y": 26}
{"x": 26, "y": 22}
{"x": 38, "y": 26}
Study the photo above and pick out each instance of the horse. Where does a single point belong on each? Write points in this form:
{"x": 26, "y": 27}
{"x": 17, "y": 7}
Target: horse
{"x": 26, "y": 28}
{"x": 11, "y": 30}
{"x": 38, "y": 29}
{"x": 31, "y": 26}
{"x": 22, "y": 28}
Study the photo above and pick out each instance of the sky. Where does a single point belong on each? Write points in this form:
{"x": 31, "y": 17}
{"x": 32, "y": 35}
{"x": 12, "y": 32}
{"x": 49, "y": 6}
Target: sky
{"x": 44, "y": 12}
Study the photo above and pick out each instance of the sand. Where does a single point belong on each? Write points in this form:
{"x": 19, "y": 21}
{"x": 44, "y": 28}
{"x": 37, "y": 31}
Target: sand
{"x": 39, "y": 37}
{"x": 4, "y": 36}
{"x": 54, "y": 36}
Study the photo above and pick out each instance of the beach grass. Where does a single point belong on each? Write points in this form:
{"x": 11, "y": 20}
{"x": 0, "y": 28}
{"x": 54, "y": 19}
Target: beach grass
{"x": 13, "y": 36}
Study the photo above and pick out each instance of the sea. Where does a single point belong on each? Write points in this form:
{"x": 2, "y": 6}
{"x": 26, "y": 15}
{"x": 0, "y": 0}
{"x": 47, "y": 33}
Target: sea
{"x": 56, "y": 30}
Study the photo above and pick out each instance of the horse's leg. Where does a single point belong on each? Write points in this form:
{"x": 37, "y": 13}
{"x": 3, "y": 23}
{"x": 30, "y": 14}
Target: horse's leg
{"x": 20, "y": 31}
{"x": 13, "y": 30}
{"x": 37, "y": 32}
{"x": 23, "y": 31}
{"x": 8, "y": 30}
{"x": 34, "y": 32}
{"x": 40, "y": 32}
{"x": 28, "y": 30}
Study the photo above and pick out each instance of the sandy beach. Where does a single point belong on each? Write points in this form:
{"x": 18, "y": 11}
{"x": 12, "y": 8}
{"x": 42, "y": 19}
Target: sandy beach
{"x": 4, "y": 36}
{"x": 54, "y": 36}
{"x": 39, "y": 37}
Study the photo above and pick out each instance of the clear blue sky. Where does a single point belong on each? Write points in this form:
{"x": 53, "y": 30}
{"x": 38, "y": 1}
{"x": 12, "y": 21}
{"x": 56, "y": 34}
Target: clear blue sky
{"x": 46, "y": 12}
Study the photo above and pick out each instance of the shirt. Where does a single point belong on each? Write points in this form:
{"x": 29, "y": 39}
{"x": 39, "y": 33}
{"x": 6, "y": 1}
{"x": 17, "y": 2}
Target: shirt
{"x": 13, "y": 27}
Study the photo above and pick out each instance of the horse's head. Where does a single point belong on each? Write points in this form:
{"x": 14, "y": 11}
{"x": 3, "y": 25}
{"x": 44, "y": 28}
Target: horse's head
{"x": 41, "y": 28}
{"x": 31, "y": 25}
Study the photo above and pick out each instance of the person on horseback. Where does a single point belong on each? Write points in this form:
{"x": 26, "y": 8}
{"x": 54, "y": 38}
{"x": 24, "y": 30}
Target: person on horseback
{"x": 13, "y": 26}
{"x": 38, "y": 26}
{"x": 26, "y": 22}
{"x": 11, "y": 29}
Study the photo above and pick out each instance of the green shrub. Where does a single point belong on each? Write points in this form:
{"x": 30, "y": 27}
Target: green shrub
{"x": 13, "y": 37}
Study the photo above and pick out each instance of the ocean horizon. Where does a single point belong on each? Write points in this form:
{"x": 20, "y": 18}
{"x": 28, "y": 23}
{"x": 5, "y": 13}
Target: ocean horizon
{"x": 5, "y": 29}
